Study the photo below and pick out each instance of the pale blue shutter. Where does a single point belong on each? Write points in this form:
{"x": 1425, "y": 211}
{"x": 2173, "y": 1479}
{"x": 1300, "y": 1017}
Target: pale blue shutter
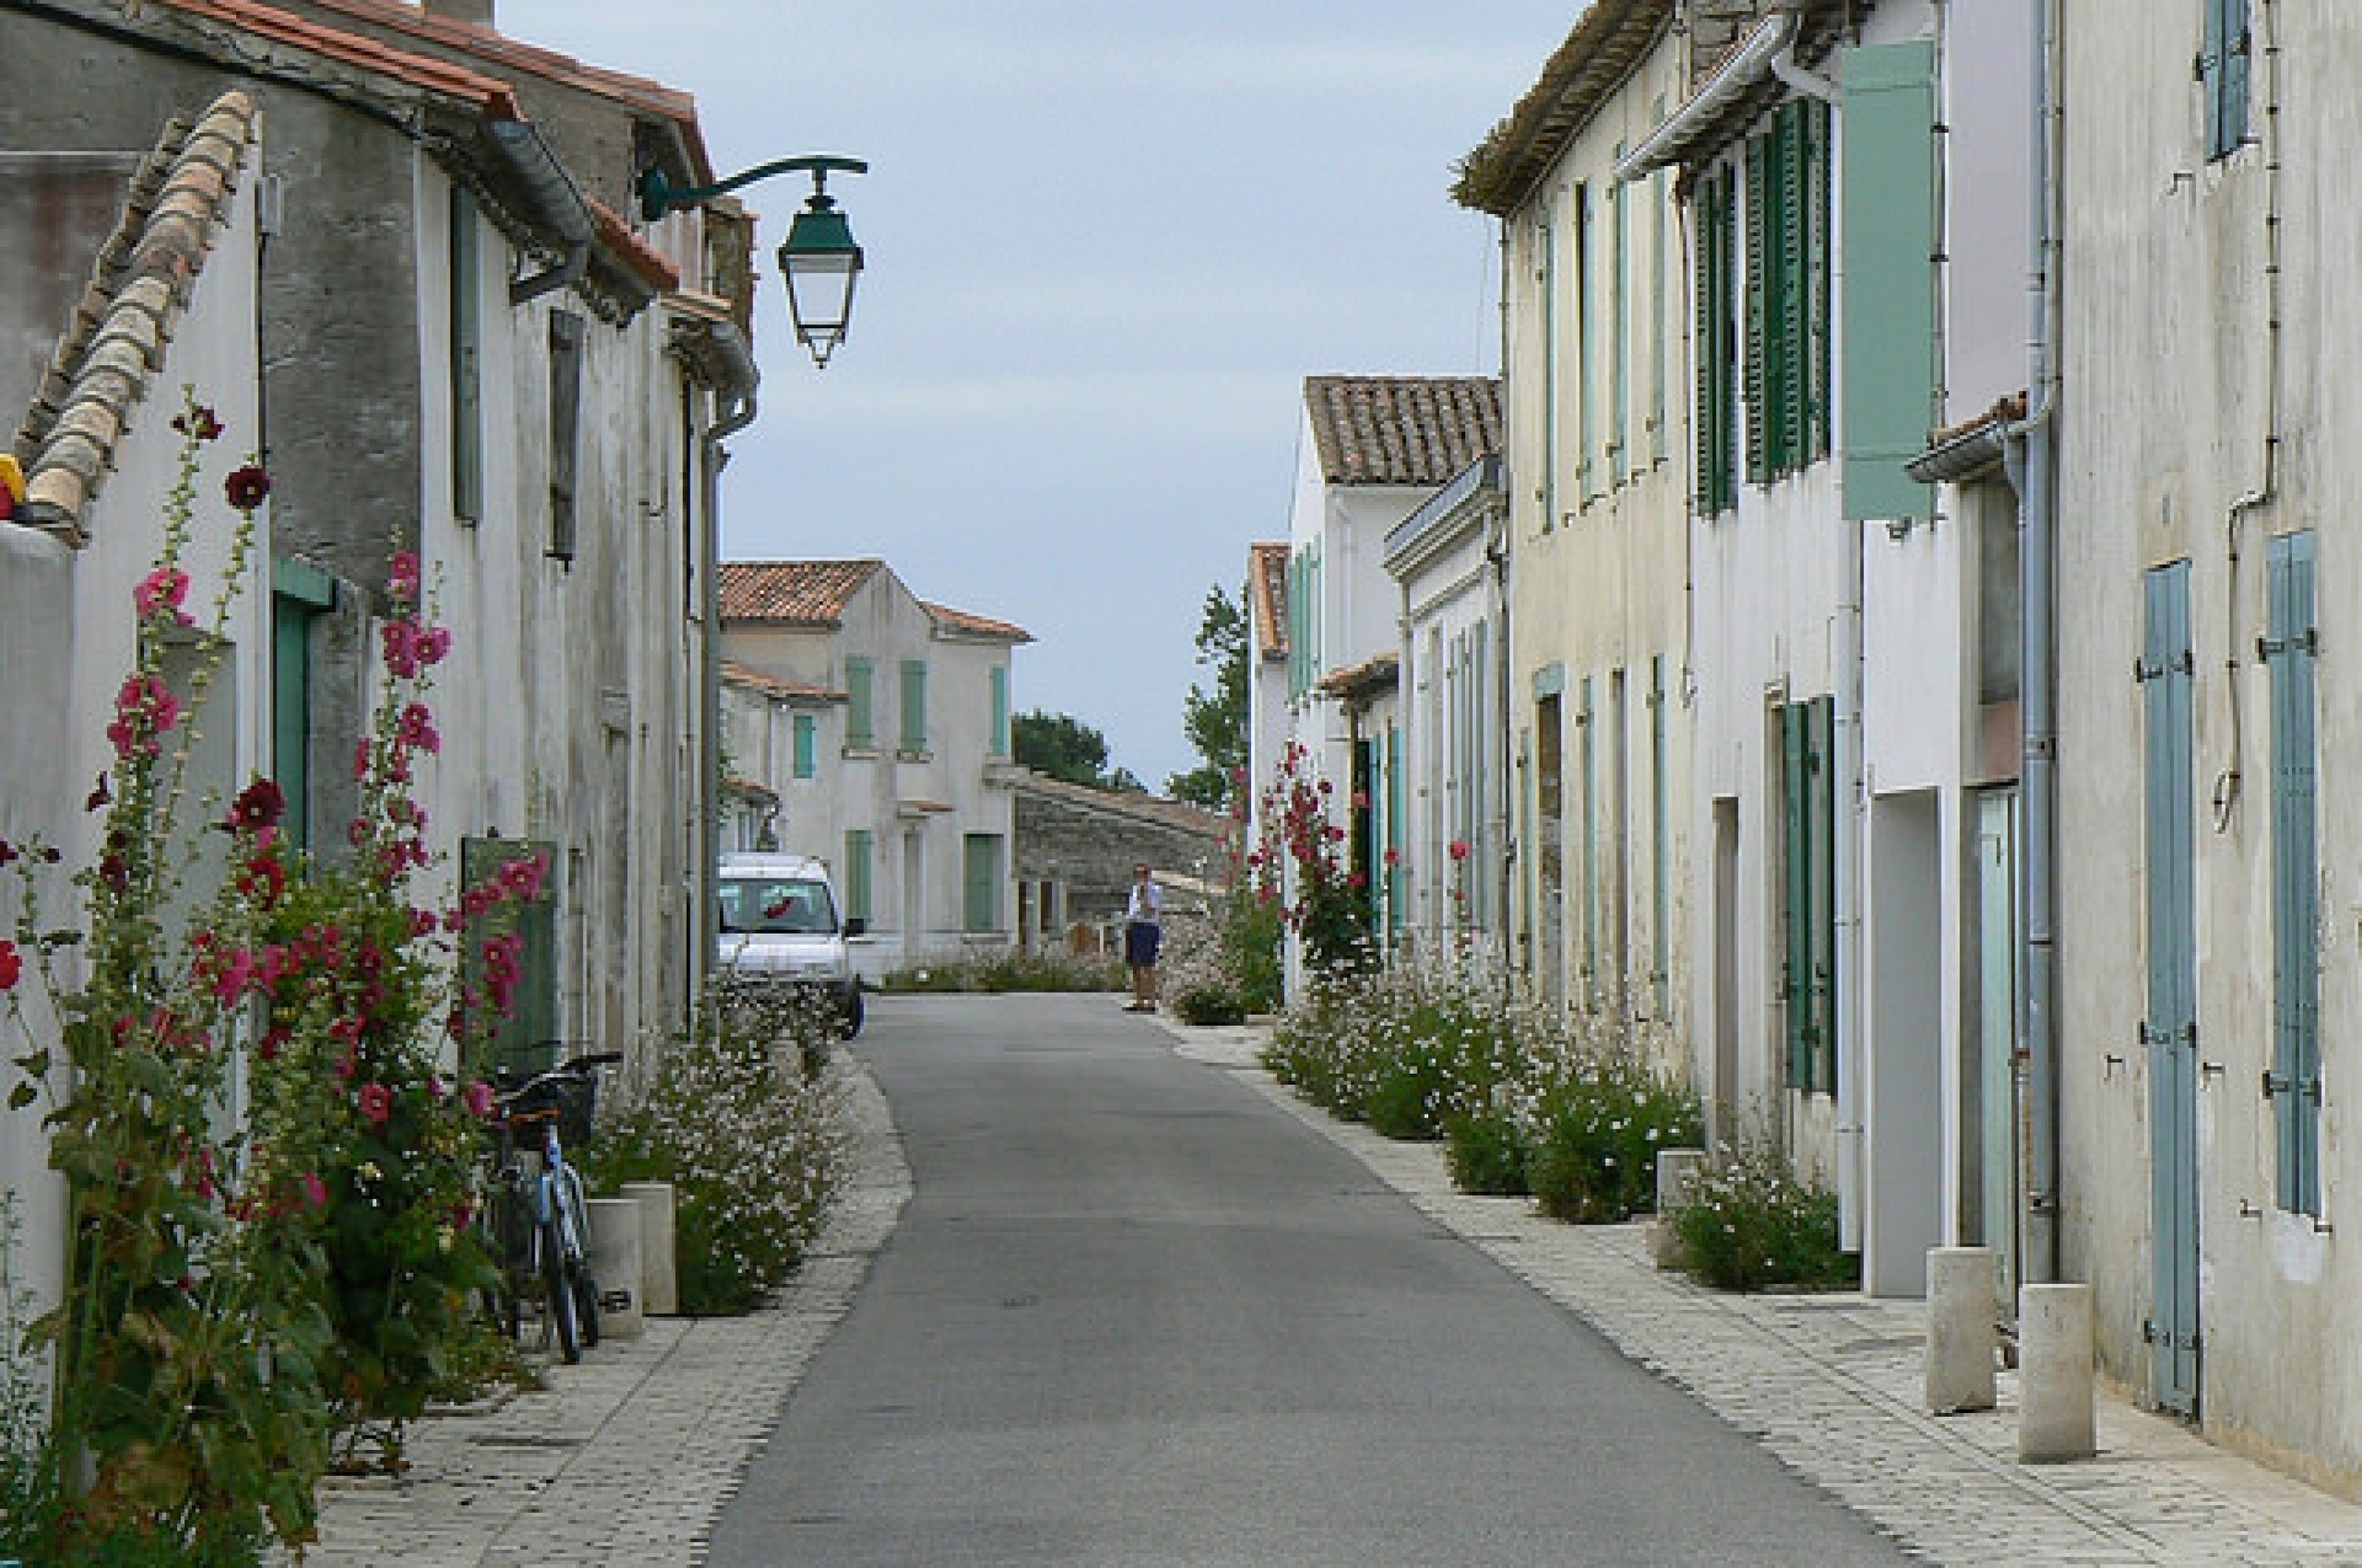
{"x": 2294, "y": 1082}
{"x": 2171, "y": 1030}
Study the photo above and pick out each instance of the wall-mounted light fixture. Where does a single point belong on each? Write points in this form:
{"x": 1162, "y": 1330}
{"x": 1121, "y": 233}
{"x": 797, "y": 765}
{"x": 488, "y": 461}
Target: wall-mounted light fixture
{"x": 818, "y": 261}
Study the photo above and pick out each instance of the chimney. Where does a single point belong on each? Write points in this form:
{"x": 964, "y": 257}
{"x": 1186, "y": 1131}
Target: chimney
{"x": 479, "y": 12}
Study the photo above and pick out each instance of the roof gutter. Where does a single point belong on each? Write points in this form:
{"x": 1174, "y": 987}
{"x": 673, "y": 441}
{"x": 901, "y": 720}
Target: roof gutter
{"x": 556, "y": 204}
{"x": 1760, "y": 54}
{"x": 738, "y": 380}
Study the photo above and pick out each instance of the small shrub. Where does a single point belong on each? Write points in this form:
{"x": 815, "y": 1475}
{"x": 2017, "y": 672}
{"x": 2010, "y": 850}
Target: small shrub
{"x": 1486, "y": 1154}
{"x": 1210, "y": 1004}
{"x": 1750, "y": 1221}
{"x": 1593, "y": 1156}
{"x": 1041, "y": 972}
{"x": 753, "y": 1146}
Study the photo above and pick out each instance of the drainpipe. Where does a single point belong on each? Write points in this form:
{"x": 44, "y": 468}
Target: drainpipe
{"x": 2033, "y": 474}
{"x": 739, "y": 381}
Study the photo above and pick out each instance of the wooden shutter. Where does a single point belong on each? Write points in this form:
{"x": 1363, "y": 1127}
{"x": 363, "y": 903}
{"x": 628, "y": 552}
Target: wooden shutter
{"x": 914, "y": 705}
{"x": 982, "y": 870}
{"x": 857, "y": 873}
{"x": 466, "y": 359}
{"x": 807, "y": 735}
{"x": 1791, "y": 353}
{"x": 860, "y": 707}
{"x": 566, "y": 335}
{"x": 1890, "y": 218}
{"x": 1796, "y": 902}
{"x": 1758, "y": 197}
{"x": 2293, "y": 1085}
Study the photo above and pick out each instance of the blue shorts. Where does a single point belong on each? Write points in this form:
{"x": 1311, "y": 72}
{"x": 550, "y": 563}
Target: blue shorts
{"x": 1139, "y": 940}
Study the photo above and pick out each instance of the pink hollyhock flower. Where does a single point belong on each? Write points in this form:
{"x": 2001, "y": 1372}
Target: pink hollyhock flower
{"x": 12, "y": 965}
{"x": 199, "y": 422}
{"x": 433, "y": 644}
{"x": 1459, "y": 849}
{"x": 162, "y": 592}
{"x": 480, "y": 1096}
{"x": 418, "y": 728}
{"x": 400, "y": 640}
{"x": 316, "y": 1191}
{"x": 402, "y": 575}
{"x": 260, "y": 805}
{"x": 522, "y": 879}
{"x": 377, "y": 1104}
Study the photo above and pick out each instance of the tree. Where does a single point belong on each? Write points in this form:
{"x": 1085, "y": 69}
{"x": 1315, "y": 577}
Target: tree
{"x": 1065, "y": 747}
{"x": 1216, "y": 721}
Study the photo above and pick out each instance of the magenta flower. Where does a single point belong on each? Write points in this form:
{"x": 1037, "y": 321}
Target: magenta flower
{"x": 480, "y": 1097}
{"x": 418, "y": 728}
{"x": 402, "y": 575}
{"x": 316, "y": 1191}
{"x": 377, "y": 1104}
{"x": 162, "y": 593}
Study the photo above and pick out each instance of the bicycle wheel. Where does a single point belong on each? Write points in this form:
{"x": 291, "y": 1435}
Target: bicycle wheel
{"x": 576, "y": 1214}
{"x": 557, "y": 1293}
{"x": 509, "y": 1252}
{"x": 586, "y": 1301}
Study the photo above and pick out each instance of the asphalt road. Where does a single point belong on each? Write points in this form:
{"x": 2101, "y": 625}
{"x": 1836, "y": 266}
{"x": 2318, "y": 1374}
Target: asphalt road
{"x": 1135, "y": 1315}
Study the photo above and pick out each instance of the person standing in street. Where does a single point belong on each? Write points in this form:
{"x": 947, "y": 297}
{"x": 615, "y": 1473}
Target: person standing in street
{"x": 1144, "y": 931}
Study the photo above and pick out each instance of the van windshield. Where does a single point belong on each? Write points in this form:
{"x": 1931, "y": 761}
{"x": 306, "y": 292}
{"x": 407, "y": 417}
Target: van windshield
{"x": 778, "y": 904}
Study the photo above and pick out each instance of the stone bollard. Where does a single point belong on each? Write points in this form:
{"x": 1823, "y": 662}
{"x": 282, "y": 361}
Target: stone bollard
{"x": 660, "y": 1282}
{"x": 616, "y": 1265}
{"x": 1676, "y": 1168}
{"x": 1961, "y": 1286}
{"x": 2059, "y": 1419}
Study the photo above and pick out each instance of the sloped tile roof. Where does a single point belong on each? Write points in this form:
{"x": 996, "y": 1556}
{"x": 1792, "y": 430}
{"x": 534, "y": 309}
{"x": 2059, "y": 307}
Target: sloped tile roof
{"x": 1361, "y": 682}
{"x": 1401, "y": 430}
{"x": 268, "y": 23}
{"x": 1267, "y": 598}
{"x": 1610, "y": 39}
{"x": 145, "y": 274}
{"x": 652, "y": 266}
{"x": 963, "y": 624}
{"x": 802, "y": 594}
{"x": 799, "y": 694}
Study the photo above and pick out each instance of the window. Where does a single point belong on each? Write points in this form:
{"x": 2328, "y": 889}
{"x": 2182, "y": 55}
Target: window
{"x": 1620, "y": 326}
{"x": 1716, "y": 415}
{"x": 807, "y": 733}
{"x": 860, "y": 706}
{"x": 859, "y": 878}
{"x": 2293, "y": 1085}
{"x": 1587, "y": 471}
{"x": 300, "y": 595}
{"x": 1587, "y": 768}
{"x": 982, "y": 879}
{"x": 565, "y": 427}
{"x": 914, "y": 707}
{"x": 1787, "y": 365}
{"x": 1001, "y": 710}
{"x": 1546, "y": 286}
{"x": 2223, "y": 75}
{"x": 467, "y": 361}
{"x": 1661, "y": 884}
{"x": 1808, "y": 893}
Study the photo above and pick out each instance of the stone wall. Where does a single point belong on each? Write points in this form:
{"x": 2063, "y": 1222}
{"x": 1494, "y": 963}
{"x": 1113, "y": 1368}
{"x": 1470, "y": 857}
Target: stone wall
{"x": 1086, "y": 841}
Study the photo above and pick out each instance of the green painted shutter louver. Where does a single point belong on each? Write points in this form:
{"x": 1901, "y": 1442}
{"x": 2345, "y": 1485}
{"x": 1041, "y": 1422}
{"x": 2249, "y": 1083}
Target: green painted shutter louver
{"x": 807, "y": 740}
{"x": 1758, "y": 330}
{"x": 858, "y": 877}
{"x": 914, "y": 706}
{"x": 982, "y": 878}
{"x": 860, "y": 704}
{"x": 2223, "y": 75}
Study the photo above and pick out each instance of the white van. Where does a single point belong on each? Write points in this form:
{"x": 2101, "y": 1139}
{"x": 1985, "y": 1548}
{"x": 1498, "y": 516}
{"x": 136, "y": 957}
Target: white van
{"x": 782, "y": 926}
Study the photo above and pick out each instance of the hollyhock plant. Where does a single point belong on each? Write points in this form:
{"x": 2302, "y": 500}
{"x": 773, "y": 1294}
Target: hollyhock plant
{"x": 233, "y": 1299}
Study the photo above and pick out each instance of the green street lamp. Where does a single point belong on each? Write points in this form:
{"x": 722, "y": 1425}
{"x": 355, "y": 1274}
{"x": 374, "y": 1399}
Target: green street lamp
{"x": 819, "y": 260}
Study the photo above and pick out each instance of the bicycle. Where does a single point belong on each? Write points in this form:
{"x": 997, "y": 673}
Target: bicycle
{"x": 536, "y": 1224}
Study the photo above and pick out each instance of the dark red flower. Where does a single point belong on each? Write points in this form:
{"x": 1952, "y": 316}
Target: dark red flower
{"x": 247, "y": 486}
{"x": 12, "y": 965}
{"x": 260, "y": 805}
{"x": 198, "y": 422}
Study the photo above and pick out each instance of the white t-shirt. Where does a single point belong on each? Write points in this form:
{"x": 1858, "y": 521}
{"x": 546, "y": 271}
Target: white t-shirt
{"x": 1146, "y": 906}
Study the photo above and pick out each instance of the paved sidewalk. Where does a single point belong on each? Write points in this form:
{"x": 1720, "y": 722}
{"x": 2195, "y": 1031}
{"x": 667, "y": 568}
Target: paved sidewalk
{"x": 1832, "y": 1386}
{"x": 628, "y": 1458}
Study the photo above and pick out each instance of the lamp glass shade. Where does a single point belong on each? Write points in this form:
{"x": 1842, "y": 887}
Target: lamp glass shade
{"x": 820, "y": 263}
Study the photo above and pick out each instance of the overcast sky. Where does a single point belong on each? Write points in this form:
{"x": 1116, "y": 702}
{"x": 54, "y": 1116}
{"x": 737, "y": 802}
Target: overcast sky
{"x": 1107, "y": 240}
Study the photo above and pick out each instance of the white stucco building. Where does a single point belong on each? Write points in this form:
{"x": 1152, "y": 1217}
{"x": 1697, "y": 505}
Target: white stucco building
{"x": 897, "y": 768}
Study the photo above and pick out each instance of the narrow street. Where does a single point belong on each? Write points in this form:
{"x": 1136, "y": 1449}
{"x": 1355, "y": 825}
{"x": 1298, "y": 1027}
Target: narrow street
{"x": 1136, "y": 1314}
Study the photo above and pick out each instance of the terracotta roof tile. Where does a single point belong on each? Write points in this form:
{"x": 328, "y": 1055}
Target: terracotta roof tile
{"x": 116, "y": 346}
{"x": 494, "y": 95}
{"x": 949, "y": 620}
{"x": 807, "y": 593}
{"x": 799, "y": 693}
{"x": 1267, "y": 585}
{"x": 636, "y": 255}
{"x": 1360, "y": 682}
{"x": 1401, "y": 430}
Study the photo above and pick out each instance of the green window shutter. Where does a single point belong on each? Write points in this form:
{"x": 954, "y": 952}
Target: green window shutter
{"x": 1661, "y": 871}
{"x": 982, "y": 870}
{"x": 1796, "y": 882}
{"x": 299, "y": 594}
{"x": 1546, "y": 286}
{"x": 1758, "y": 197}
{"x": 1392, "y": 835}
{"x": 1001, "y": 710}
{"x": 857, "y": 873}
{"x": 1818, "y": 247}
{"x": 1889, "y": 211}
{"x": 2294, "y": 1082}
{"x": 1620, "y": 326}
{"x": 1703, "y": 340}
{"x": 914, "y": 705}
{"x": 807, "y": 732}
{"x": 861, "y": 704}
{"x": 1587, "y": 349}
{"x": 1821, "y": 806}
{"x": 467, "y": 359}
{"x": 1792, "y": 353}
{"x": 1587, "y": 759}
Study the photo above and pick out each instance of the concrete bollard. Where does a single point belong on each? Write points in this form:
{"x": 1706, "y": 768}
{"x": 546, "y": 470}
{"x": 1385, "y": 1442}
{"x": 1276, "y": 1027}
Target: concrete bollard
{"x": 2060, "y": 1415}
{"x": 659, "y": 1281}
{"x": 1676, "y": 1168}
{"x": 1961, "y": 1285}
{"x": 616, "y": 1265}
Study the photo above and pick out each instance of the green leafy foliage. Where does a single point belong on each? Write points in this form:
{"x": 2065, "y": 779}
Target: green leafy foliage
{"x": 1749, "y": 1221}
{"x": 1216, "y": 721}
